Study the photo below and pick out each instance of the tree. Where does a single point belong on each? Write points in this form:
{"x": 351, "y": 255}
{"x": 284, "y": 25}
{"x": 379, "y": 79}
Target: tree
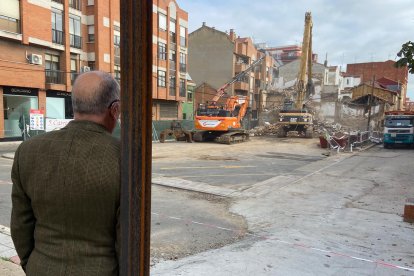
{"x": 406, "y": 55}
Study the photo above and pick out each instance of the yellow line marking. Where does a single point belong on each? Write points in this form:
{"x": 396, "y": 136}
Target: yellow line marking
{"x": 220, "y": 175}
{"x": 215, "y": 167}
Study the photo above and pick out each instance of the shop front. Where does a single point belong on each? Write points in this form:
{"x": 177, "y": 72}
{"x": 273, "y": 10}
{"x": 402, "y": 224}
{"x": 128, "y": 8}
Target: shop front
{"x": 17, "y": 103}
{"x": 58, "y": 105}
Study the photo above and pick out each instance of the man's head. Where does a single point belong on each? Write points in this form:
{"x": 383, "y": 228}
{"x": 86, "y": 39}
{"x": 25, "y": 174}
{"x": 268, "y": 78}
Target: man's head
{"x": 95, "y": 97}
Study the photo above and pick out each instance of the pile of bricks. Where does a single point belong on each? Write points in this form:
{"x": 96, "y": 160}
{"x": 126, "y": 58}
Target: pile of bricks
{"x": 268, "y": 129}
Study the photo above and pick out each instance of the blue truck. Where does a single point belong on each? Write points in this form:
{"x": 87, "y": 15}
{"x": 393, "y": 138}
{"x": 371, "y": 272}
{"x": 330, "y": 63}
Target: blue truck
{"x": 399, "y": 128}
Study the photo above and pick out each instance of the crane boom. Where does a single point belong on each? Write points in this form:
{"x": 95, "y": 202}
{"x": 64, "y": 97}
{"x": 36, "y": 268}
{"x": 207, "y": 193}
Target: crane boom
{"x": 305, "y": 69}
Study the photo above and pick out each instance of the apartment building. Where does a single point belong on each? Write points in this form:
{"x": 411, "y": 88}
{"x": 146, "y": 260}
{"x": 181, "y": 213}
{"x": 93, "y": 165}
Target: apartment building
{"x": 215, "y": 57}
{"x": 46, "y": 44}
{"x": 170, "y": 48}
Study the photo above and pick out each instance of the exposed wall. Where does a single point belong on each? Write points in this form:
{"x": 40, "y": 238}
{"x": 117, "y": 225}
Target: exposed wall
{"x": 211, "y": 57}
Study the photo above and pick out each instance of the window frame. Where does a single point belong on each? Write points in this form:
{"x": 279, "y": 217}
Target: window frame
{"x": 162, "y": 21}
{"x": 162, "y": 78}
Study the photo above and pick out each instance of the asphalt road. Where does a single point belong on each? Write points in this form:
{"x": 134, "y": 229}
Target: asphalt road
{"x": 235, "y": 172}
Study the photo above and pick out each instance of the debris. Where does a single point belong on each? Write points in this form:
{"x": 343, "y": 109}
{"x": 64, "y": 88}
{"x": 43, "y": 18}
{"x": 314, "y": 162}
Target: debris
{"x": 267, "y": 129}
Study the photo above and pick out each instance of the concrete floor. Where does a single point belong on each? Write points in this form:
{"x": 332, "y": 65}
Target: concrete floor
{"x": 343, "y": 218}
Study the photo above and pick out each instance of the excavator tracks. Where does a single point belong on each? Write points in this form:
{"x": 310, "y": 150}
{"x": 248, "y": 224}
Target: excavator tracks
{"x": 228, "y": 138}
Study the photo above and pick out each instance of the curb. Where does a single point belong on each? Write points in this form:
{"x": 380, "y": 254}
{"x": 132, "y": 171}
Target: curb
{"x": 8, "y": 156}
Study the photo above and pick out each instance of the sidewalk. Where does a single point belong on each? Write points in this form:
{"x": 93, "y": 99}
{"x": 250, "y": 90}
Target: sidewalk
{"x": 8, "y": 255}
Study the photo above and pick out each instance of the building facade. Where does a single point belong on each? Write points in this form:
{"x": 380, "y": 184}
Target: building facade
{"x": 215, "y": 57}
{"x": 46, "y": 44}
{"x": 170, "y": 48}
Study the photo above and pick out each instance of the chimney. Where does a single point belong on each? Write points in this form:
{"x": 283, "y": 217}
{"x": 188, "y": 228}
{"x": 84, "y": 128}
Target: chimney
{"x": 204, "y": 23}
{"x": 232, "y": 35}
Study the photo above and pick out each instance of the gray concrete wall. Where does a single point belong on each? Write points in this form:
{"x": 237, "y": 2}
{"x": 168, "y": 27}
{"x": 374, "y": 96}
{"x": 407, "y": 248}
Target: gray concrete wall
{"x": 290, "y": 71}
{"x": 210, "y": 57}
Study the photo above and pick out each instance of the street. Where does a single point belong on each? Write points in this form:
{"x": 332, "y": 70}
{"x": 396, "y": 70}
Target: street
{"x": 275, "y": 207}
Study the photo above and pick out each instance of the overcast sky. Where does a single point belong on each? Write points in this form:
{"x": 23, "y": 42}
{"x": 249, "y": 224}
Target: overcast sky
{"x": 349, "y": 31}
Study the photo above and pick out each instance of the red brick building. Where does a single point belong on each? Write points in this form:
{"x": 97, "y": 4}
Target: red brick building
{"x": 44, "y": 45}
{"x": 382, "y": 70}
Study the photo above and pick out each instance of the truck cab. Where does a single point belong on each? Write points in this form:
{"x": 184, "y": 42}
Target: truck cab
{"x": 399, "y": 129}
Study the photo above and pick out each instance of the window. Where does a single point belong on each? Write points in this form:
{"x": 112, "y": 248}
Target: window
{"x": 57, "y": 27}
{"x": 162, "y": 51}
{"x": 52, "y": 69}
{"x": 117, "y": 72}
{"x": 76, "y": 4}
{"x": 91, "y": 65}
{"x": 183, "y": 67}
{"x": 189, "y": 95}
{"x": 75, "y": 31}
{"x": 173, "y": 57}
{"x": 10, "y": 16}
{"x": 73, "y": 70}
{"x": 117, "y": 40}
{"x": 162, "y": 21}
{"x": 173, "y": 37}
{"x": 172, "y": 85}
{"x": 182, "y": 88}
{"x": 91, "y": 33}
{"x": 161, "y": 78}
{"x": 183, "y": 32}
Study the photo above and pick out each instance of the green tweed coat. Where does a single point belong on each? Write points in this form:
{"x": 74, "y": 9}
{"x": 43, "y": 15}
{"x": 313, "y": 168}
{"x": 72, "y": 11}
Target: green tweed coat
{"x": 66, "y": 193}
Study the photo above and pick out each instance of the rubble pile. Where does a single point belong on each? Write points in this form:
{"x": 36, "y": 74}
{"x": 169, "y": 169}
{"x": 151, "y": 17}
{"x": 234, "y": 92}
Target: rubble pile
{"x": 323, "y": 127}
{"x": 267, "y": 129}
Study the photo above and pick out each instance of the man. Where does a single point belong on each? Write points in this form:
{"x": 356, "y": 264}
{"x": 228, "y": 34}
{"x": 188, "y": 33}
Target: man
{"x": 66, "y": 188}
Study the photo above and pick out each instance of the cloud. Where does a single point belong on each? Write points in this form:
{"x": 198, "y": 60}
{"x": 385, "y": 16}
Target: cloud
{"x": 348, "y": 31}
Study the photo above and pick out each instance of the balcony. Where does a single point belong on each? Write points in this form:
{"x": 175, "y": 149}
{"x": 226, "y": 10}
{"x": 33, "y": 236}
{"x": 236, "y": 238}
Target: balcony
{"x": 54, "y": 76}
{"x": 75, "y": 41}
{"x": 173, "y": 38}
{"x": 73, "y": 76}
{"x": 57, "y": 37}
{"x": 183, "y": 67}
{"x": 75, "y": 4}
{"x": 182, "y": 91}
{"x": 172, "y": 66}
{"x": 9, "y": 24}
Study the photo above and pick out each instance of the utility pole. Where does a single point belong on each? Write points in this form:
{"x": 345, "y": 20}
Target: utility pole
{"x": 136, "y": 136}
{"x": 370, "y": 102}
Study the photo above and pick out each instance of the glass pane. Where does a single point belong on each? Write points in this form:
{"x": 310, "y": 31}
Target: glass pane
{"x": 55, "y": 108}
{"x": 73, "y": 66}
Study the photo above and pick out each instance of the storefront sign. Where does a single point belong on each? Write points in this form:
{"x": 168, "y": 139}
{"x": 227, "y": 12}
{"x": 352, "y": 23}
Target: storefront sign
{"x": 58, "y": 94}
{"x": 55, "y": 124}
{"x": 21, "y": 91}
{"x": 37, "y": 119}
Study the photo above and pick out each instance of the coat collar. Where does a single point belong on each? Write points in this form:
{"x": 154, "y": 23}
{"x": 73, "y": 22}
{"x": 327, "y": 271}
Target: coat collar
{"x": 86, "y": 125}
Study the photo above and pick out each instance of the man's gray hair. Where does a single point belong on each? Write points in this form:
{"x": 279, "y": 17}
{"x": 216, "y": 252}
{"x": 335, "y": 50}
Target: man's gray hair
{"x": 97, "y": 101}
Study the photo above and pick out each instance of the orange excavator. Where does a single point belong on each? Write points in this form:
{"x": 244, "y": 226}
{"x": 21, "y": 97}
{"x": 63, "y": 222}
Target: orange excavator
{"x": 222, "y": 123}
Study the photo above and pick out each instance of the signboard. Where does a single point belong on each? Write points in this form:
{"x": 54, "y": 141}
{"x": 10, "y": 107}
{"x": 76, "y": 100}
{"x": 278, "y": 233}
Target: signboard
{"x": 55, "y": 124}
{"x": 21, "y": 91}
{"x": 209, "y": 123}
{"x": 37, "y": 119}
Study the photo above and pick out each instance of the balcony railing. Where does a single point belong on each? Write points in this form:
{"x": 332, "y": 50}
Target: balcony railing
{"x": 182, "y": 91}
{"x": 173, "y": 38}
{"x": 57, "y": 37}
{"x": 73, "y": 76}
{"x": 54, "y": 76}
{"x": 183, "y": 67}
{"x": 75, "y": 41}
{"x": 172, "y": 65}
{"x": 75, "y": 4}
{"x": 9, "y": 24}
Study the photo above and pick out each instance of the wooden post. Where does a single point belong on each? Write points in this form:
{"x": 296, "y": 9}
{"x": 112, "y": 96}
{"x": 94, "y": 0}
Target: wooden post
{"x": 136, "y": 136}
